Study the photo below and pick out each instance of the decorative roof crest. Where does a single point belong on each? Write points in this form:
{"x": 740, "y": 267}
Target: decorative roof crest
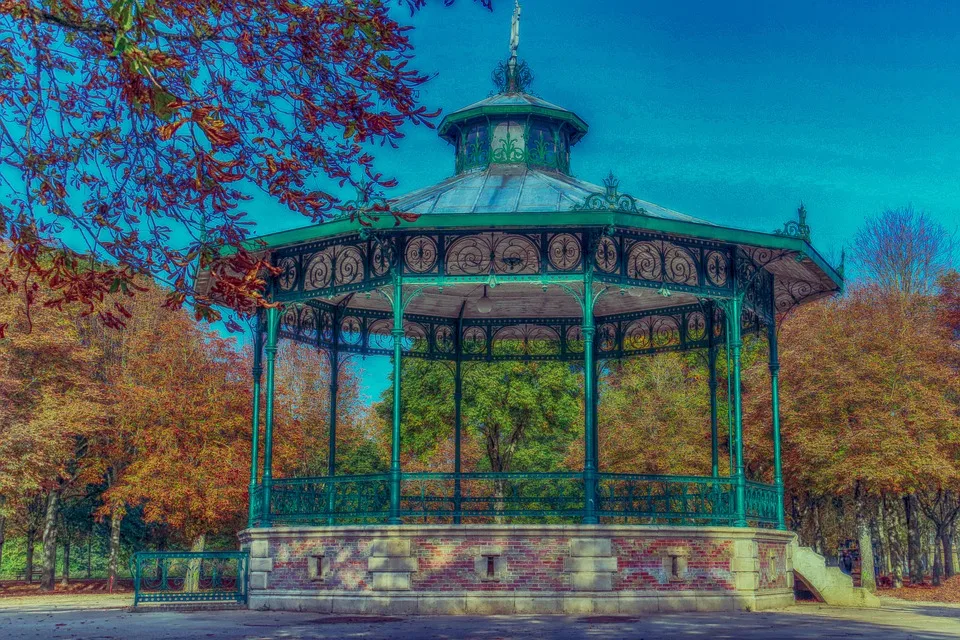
{"x": 610, "y": 200}
{"x": 796, "y": 228}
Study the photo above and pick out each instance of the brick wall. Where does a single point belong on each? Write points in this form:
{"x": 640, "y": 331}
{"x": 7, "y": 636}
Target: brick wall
{"x": 530, "y": 563}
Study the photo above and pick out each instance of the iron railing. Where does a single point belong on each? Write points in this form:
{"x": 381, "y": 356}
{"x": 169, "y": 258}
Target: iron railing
{"x": 516, "y": 497}
{"x": 189, "y": 576}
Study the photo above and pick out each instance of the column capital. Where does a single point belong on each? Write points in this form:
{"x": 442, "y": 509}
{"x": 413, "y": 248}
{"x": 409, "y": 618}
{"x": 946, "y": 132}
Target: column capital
{"x": 774, "y": 368}
{"x": 257, "y": 372}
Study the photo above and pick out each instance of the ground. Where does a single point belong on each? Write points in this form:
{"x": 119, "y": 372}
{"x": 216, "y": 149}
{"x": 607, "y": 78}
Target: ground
{"x": 106, "y": 617}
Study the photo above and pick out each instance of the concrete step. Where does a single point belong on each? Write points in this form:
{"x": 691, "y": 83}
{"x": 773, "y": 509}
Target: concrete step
{"x": 829, "y": 584}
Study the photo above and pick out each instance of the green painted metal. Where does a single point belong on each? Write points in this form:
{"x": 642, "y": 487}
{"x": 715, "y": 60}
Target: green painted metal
{"x": 255, "y": 507}
{"x": 273, "y": 322}
{"x": 521, "y": 497}
{"x": 397, "y": 303}
{"x": 457, "y": 416}
{"x": 589, "y": 389}
{"x": 714, "y": 435}
{"x": 186, "y": 576}
{"x": 733, "y": 308}
{"x": 553, "y": 220}
{"x": 450, "y": 126}
{"x": 775, "y": 409}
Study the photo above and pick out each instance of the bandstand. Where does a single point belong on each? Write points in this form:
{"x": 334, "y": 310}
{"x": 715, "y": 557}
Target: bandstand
{"x": 514, "y": 258}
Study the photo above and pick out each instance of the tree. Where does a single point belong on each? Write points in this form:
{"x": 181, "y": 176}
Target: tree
{"x": 53, "y": 414}
{"x": 141, "y": 127}
{"x": 655, "y": 416}
{"x": 869, "y": 400}
{"x": 904, "y": 250}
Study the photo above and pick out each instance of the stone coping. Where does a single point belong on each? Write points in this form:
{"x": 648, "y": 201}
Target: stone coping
{"x": 508, "y": 530}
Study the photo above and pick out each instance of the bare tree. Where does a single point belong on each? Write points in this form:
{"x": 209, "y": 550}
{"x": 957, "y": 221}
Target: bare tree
{"x": 904, "y": 250}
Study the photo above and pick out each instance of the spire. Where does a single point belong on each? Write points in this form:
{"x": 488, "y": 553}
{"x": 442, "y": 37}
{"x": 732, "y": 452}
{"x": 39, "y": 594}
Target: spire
{"x": 512, "y": 84}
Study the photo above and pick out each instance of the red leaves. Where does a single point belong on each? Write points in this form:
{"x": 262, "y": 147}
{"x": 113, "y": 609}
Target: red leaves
{"x": 148, "y": 124}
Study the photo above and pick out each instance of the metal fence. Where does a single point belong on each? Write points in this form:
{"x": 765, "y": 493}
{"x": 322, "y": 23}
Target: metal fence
{"x": 189, "y": 576}
{"x": 516, "y": 497}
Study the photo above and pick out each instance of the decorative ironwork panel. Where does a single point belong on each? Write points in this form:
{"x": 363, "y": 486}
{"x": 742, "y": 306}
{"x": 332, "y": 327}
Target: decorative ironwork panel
{"x": 565, "y": 252}
{"x": 761, "y": 503}
{"x": 676, "y": 500}
{"x": 496, "y": 252}
{"x": 518, "y": 497}
{"x": 185, "y": 576}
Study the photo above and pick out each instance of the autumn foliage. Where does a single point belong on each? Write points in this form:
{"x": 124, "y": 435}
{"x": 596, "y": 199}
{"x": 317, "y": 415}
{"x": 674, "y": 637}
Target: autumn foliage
{"x": 134, "y": 132}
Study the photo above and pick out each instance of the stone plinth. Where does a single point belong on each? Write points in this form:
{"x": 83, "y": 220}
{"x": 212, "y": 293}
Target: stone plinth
{"x": 574, "y": 569}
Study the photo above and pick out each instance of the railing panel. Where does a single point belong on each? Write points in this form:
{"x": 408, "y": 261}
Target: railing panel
{"x": 189, "y": 576}
{"x": 679, "y": 500}
{"x": 518, "y": 497}
{"x": 761, "y": 503}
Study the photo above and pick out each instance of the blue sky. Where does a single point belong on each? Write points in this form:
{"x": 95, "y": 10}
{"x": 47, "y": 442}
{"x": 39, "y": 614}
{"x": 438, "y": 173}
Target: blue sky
{"x": 730, "y": 111}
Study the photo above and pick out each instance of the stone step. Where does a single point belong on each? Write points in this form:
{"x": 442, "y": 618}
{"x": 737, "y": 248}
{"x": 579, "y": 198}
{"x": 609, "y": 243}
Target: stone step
{"x": 830, "y": 584}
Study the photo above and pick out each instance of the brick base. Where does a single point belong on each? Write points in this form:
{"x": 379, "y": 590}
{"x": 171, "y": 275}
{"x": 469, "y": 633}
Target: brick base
{"x": 572, "y": 569}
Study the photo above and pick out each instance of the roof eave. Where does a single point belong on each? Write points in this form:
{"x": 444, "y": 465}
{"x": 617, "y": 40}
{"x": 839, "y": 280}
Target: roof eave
{"x": 505, "y": 220}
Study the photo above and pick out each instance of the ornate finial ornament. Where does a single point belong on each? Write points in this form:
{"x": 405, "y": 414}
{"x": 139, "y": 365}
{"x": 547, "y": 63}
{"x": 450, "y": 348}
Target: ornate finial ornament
{"x": 610, "y": 200}
{"x": 366, "y": 205}
{"x": 796, "y": 228}
{"x": 514, "y": 75}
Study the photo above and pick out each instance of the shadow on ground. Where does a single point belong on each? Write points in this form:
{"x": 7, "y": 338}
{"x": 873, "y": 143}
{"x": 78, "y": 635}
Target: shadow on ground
{"x": 793, "y": 623}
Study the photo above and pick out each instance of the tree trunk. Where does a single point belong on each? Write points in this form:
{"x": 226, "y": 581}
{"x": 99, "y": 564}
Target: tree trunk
{"x": 867, "y": 579}
{"x": 28, "y": 571}
{"x": 914, "y": 563}
{"x": 818, "y": 543}
{"x": 65, "y": 576}
{"x": 3, "y": 523}
{"x": 48, "y": 579}
{"x": 116, "y": 517}
{"x": 946, "y": 541}
{"x": 192, "y": 579}
{"x": 891, "y": 522}
{"x": 90, "y": 553}
{"x": 937, "y": 562}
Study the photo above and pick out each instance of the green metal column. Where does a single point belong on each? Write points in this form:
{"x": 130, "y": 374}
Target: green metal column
{"x": 457, "y": 419}
{"x": 589, "y": 436}
{"x": 712, "y": 383}
{"x": 273, "y": 321}
{"x": 395, "y": 437}
{"x": 332, "y": 446}
{"x": 255, "y": 431}
{"x": 775, "y": 400}
{"x": 714, "y": 434}
{"x": 734, "y": 307}
{"x": 457, "y": 398}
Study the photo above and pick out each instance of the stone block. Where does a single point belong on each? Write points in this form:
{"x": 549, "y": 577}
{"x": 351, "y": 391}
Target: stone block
{"x": 577, "y": 605}
{"x": 593, "y": 564}
{"x": 392, "y": 564}
{"x": 606, "y": 604}
{"x": 259, "y": 549}
{"x": 632, "y": 603}
{"x": 391, "y": 581}
{"x": 744, "y": 564}
{"x": 387, "y": 547}
{"x": 489, "y": 604}
{"x": 590, "y": 581}
{"x": 258, "y": 580}
{"x": 590, "y": 547}
{"x": 715, "y": 602}
{"x": 745, "y": 549}
{"x": 261, "y": 564}
{"x": 746, "y": 581}
{"x": 378, "y": 605}
{"x": 441, "y": 605}
{"x": 538, "y": 604}
{"x": 674, "y": 602}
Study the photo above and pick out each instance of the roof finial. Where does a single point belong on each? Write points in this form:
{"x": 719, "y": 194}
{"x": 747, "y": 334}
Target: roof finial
{"x": 514, "y": 43}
